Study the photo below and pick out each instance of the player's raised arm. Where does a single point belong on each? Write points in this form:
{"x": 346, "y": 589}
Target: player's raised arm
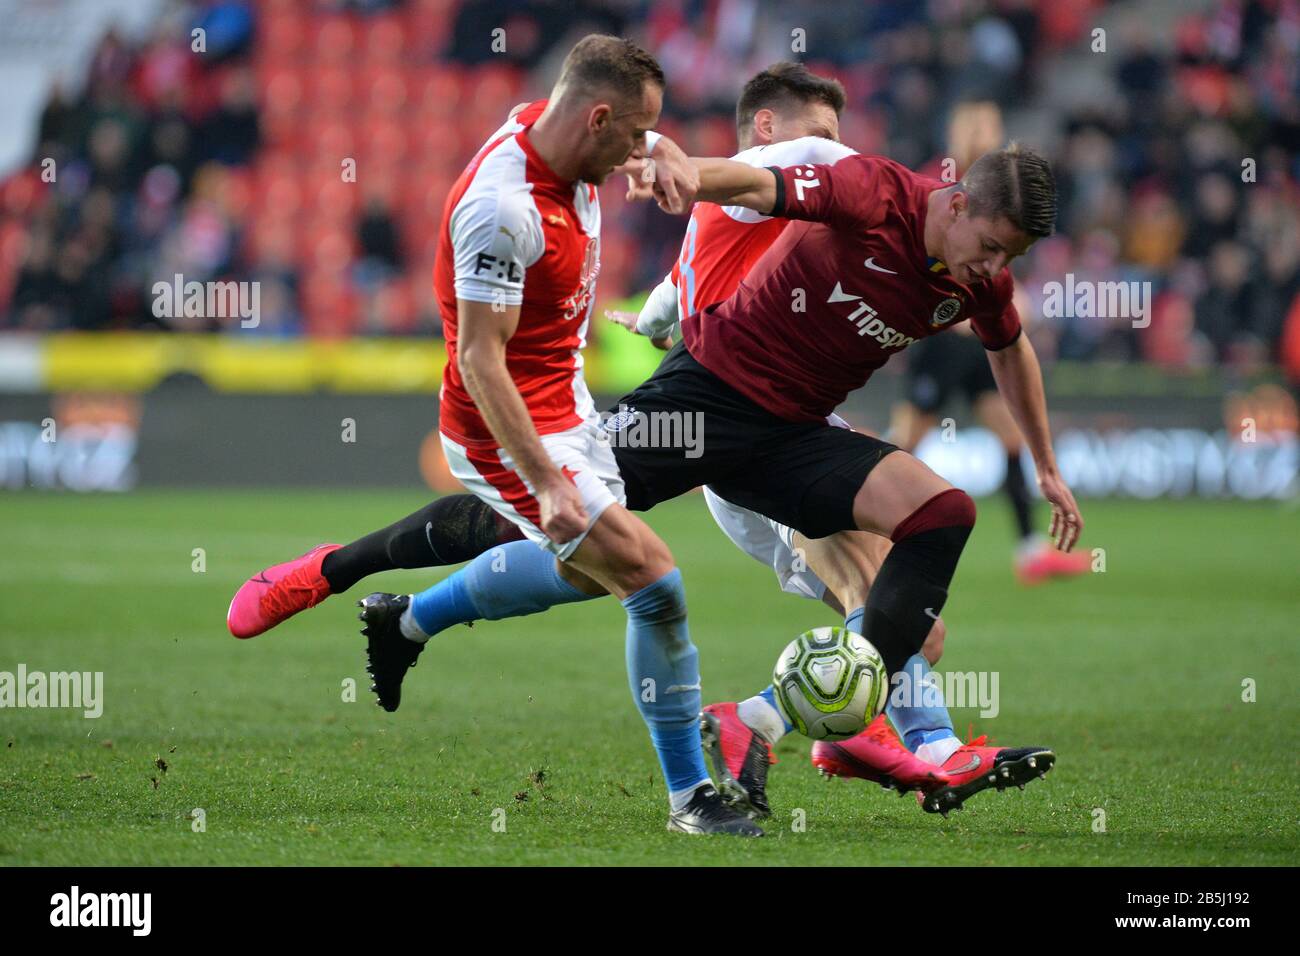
{"x": 841, "y": 194}
{"x": 728, "y": 183}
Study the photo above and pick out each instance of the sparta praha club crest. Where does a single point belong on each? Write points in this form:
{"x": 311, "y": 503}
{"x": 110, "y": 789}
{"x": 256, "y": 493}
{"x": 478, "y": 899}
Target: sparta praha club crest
{"x": 945, "y": 312}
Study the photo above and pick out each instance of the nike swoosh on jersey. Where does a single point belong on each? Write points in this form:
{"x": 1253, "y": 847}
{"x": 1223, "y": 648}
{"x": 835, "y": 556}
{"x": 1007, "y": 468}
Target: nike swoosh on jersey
{"x": 871, "y": 264}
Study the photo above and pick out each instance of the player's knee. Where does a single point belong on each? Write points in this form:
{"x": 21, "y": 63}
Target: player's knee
{"x": 640, "y": 561}
{"x": 579, "y": 581}
{"x": 952, "y": 508}
{"x": 932, "y": 649}
{"x": 851, "y": 594}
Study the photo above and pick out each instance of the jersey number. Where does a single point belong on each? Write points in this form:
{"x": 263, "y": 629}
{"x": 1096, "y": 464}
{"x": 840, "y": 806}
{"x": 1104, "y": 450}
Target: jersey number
{"x": 801, "y": 184}
{"x": 685, "y": 267}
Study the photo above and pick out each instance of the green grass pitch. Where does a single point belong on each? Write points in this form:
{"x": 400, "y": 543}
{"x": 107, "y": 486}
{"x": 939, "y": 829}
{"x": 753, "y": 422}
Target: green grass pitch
{"x": 1134, "y": 676}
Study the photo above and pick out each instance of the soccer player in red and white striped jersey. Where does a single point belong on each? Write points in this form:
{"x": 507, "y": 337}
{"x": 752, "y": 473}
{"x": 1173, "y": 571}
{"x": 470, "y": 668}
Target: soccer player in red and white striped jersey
{"x": 514, "y": 279}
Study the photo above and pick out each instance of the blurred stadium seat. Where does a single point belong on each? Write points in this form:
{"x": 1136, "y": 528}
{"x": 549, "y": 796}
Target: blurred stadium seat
{"x": 1148, "y": 141}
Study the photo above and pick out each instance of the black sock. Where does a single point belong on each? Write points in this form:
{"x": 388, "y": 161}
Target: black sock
{"x": 450, "y": 530}
{"x": 910, "y": 591}
{"x": 1018, "y": 492}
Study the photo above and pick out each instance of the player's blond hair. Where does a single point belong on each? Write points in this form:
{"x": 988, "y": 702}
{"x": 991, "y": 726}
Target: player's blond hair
{"x": 607, "y": 63}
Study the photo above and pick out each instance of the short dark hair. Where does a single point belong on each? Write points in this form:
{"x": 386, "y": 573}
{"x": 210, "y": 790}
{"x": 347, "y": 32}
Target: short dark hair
{"x": 1014, "y": 183}
{"x": 782, "y": 84}
{"x": 608, "y": 62}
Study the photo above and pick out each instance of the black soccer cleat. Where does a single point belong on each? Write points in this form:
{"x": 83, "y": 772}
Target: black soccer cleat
{"x": 707, "y": 813}
{"x": 740, "y": 759}
{"x": 976, "y": 768}
{"x": 389, "y": 653}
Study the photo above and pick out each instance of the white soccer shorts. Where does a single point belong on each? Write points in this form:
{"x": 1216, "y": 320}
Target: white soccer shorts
{"x": 767, "y": 542}
{"x": 581, "y": 452}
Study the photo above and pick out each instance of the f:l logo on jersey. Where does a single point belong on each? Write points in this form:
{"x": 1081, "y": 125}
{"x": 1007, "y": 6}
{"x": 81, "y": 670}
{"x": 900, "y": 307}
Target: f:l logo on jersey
{"x": 508, "y": 270}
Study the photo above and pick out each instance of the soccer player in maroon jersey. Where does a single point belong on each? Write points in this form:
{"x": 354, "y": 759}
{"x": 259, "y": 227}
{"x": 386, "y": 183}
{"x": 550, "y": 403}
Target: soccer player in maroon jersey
{"x": 788, "y": 116}
{"x": 882, "y": 258}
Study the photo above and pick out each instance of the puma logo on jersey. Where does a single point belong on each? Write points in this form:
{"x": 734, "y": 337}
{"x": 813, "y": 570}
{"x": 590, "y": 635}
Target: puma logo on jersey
{"x": 868, "y": 322}
{"x": 556, "y": 219}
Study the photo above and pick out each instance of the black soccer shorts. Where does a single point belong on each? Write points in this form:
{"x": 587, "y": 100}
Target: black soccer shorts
{"x": 940, "y": 366}
{"x": 801, "y": 474}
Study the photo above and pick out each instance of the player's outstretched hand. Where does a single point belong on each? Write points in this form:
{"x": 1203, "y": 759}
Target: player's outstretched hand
{"x": 623, "y": 318}
{"x": 1067, "y": 523}
{"x": 563, "y": 516}
{"x": 628, "y": 321}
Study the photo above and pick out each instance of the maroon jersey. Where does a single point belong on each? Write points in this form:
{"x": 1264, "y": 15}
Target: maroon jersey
{"x": 839, "y": 293}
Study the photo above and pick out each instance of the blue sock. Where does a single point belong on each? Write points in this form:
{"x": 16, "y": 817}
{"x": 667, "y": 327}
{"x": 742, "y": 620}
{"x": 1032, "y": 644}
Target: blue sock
{"x": 854, "y": 621}
{"x": 509, "y": 581}
{"x": 916, "y": 705}
{"x": 664, "y": 674}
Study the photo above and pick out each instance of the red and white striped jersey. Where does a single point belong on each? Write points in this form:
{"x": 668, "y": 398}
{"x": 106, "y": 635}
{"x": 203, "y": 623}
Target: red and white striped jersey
{"x": 514, "y": 233}
{"x": 723, "y": 242}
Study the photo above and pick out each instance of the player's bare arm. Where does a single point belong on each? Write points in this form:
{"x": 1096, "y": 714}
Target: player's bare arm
{"x": 1020, "y": 381}
{"x": 729, "y": 183}
{"x": 481, "y": 359}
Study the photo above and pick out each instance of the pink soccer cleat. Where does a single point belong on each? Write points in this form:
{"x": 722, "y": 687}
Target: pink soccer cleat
{"x": 976, "y": 766}
{"x": 279, "y": 592}
{"x": 877, "y": 755}
{"x": 740, "y": 758}
{"x": 1046, "y": 563}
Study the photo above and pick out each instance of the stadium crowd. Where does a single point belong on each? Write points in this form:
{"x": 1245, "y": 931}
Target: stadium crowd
{"x": 310, "y": 145}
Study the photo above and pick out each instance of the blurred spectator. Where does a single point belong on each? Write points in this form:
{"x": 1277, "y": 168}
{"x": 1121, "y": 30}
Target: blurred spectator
{"x": 1177, "y": 155}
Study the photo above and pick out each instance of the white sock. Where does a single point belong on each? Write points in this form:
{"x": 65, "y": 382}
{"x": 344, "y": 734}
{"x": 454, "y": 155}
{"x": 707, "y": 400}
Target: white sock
{"x": 679, "y": 798}
{"x": 762, "y": 718}
{"x": 938, "y": 751}
{"x": 410, "y": 630}
{"x": 1030, "y": 546}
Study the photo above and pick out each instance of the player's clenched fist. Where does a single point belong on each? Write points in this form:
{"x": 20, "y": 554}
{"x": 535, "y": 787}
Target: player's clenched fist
{"x": 676, "y": 178}
{"x": 563, "y": 517}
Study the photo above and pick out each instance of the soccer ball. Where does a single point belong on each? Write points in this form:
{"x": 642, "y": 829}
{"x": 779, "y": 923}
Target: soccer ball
{"x": 830, "y": 683}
